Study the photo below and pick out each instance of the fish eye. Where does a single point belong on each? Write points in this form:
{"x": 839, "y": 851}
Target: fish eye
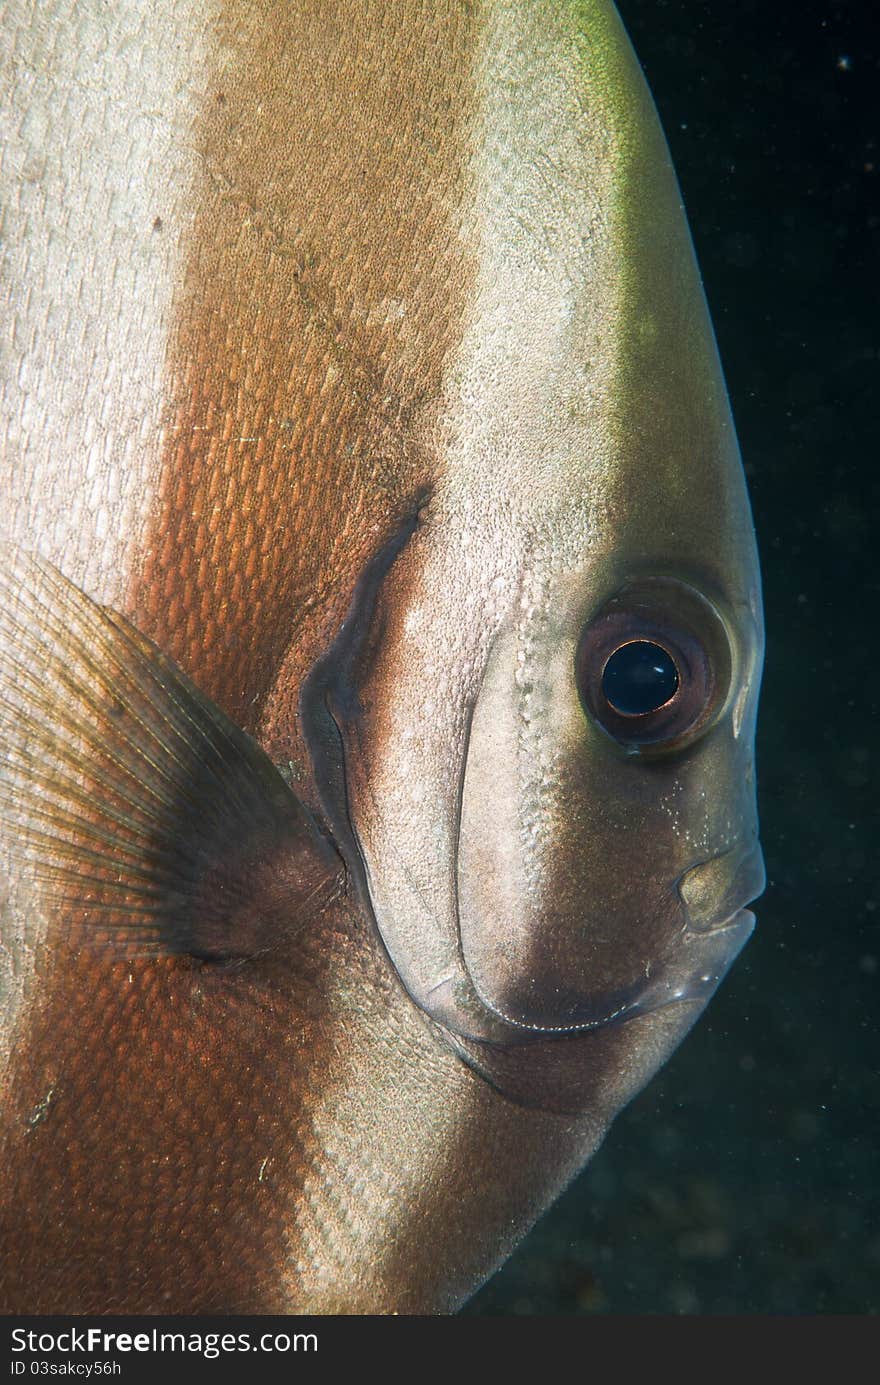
{"x": 653, "y": 665}
{"x": 639, "y": 677}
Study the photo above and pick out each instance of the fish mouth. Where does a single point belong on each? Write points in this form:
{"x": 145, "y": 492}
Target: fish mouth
{"x": 566, "y": 1069}
{"x": 689, "y": 975}
{"x": 698, "y": 966}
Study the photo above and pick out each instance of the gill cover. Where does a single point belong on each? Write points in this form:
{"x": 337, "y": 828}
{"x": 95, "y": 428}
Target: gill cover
{"x": 547, "y": 719}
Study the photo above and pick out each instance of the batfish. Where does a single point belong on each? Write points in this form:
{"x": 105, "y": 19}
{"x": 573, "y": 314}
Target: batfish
{"x": 380, "y": 641}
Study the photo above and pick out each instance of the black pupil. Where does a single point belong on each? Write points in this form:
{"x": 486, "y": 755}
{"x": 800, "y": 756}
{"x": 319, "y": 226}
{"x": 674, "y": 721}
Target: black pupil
{"x": 639, "y": 678}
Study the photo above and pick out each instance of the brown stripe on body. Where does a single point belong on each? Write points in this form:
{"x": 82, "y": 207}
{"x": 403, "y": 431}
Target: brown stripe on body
{"x": 159, "y": 1139}
{"x": 156, "y": 1149}
{"x": 324, "y": 291}
{"x": 181, "y": 1148}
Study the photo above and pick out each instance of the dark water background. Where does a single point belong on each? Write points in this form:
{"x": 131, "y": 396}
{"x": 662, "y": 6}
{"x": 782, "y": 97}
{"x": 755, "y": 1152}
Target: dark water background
{"x": 747, "y": 1178}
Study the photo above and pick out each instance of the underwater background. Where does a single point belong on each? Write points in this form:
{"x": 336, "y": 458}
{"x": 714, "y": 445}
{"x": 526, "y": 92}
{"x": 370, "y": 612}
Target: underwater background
{"x": 746, "y": 1179}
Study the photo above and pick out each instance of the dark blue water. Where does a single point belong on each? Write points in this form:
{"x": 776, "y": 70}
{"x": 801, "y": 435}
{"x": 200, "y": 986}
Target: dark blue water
{"x": 746, "y": 1178}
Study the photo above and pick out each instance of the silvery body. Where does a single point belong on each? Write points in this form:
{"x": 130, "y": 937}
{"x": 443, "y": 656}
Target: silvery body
{"x": 359, "y": 362}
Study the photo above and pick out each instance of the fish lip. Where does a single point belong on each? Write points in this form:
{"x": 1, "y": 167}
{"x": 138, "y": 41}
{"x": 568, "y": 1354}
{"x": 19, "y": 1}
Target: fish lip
{"x": 699, "y": 964}
{"x": 738, "y": 916}
{"x": 690, "y": 975}
{"x": 716, "y": 942}
{"x": 747, "y": 882}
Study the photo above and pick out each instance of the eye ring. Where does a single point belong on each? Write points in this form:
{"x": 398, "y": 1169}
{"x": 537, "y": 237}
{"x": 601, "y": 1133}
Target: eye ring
{"x": 657, "y": 619}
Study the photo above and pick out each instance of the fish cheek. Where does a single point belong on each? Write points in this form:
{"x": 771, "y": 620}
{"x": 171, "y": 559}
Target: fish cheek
{"x": 398, "y": 688}
{"x": 566, "y": 868}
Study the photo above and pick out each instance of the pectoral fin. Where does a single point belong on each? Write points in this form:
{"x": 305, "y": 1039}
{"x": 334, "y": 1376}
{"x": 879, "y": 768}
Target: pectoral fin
{"x": 148, "y": 818}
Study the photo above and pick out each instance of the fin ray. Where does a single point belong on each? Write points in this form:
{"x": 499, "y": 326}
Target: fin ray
{"x": 139, "y": 809}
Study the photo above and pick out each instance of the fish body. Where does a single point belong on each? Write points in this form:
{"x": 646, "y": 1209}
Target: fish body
{"x": 360, "y": 406}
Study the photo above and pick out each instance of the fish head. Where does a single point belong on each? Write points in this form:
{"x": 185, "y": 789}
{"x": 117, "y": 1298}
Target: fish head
{"x": 548, "y": 728}
{"x": 558, "y": 819}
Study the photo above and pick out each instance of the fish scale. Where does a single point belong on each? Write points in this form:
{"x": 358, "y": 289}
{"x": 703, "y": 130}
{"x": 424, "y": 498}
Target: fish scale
{"x": 363, "y": 403}
{"x": 274, "y": 295}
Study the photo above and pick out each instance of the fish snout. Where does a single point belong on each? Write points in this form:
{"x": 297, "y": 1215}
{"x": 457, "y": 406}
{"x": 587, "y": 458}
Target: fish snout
{"x": 714, "y": 894}
{"x": 717, "y": 925}
{"x": 713, "y": 891}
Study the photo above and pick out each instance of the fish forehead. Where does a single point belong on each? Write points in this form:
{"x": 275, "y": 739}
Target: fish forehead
{"x": 585, "y": 407}
{"x": 540, "y": 184}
